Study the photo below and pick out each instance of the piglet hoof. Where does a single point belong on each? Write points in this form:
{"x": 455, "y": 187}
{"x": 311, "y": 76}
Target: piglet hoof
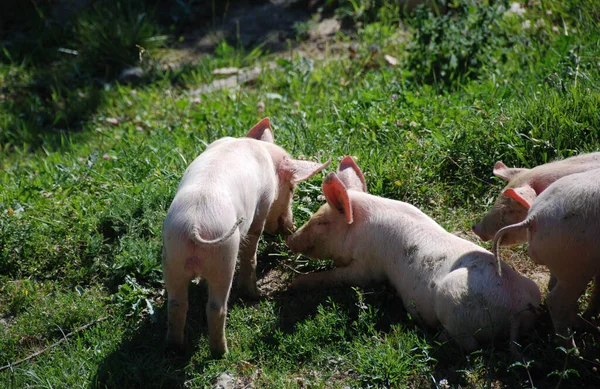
{"x": 250, "y": 292}
{"x": 218, "y": 350}
{"x": 174, "y": 350}
{"x": 300, "y": 283}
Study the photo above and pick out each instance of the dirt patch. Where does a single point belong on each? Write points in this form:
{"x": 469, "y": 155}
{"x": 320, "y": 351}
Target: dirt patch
{"x": 524, "y": 265}
{"x": 275, "y": 281}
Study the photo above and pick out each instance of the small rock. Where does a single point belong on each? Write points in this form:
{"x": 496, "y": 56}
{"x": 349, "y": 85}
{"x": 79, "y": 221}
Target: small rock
{"x": 274, "y": 96}
{"x": 390, "y": 60}
{"x": 131, "y": 75}
{"x": 327, "y": 27}
{"x": 224, "y": 381}
{"x": 113, "y": 121}
{"x": 225, "y": 71}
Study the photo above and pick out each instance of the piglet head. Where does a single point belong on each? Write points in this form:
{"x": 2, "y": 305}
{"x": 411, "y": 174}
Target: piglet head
{"x": 289, "y": 172}
{"x": 511, "y": 207}
{"x": 505, "y": 212}
{"x": 324, "y": 235}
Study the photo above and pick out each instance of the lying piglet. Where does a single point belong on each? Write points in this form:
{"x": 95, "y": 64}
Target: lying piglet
{"x": 563, "y": 226}
{"x": 227, "y": 196}
{"x": 524, "y": 185}
{"x": 441, "y": 278}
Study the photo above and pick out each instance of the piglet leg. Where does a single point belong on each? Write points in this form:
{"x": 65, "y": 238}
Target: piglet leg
{"x": 247, "y": 275}
{"x": 176, "y": 283}
{"x": 562, "y": 304}
{"x": 216, "y": 308}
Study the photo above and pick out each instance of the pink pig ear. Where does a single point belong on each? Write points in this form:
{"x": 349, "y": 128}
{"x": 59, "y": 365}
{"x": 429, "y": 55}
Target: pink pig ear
{"x": 297, "y": 170}
{"x": 524, "y": 195}
{"x": 337, "y": 196}
{"x": 351, "y": 175}
{"x": 505, "y": 172}
{"x": 262, "y": 131}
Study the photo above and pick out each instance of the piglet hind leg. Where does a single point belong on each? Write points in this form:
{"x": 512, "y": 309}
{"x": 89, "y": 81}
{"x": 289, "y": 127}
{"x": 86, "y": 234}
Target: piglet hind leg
{"x": 219, "y": 286}
{"x": 515, "y": 332}
{"x": 562, "y": 304}
{"x": 176, "y": 282}
{"x": 216, "y": 312}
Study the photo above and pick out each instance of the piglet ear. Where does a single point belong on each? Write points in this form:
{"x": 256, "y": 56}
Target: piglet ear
{"x": 262, "y": 131}
{"x": 337, "y": 196}
{"x": 298, "y": 170}
{"x": 524, "y": 195}
{"x": 505, "y": 172}
{"x": 351, "y": 175}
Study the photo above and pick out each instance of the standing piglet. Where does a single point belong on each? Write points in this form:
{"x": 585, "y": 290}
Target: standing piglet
{"x": 236, "y": 188}
{"x": 524, "y": 185}
{"x": 563, "y": 226}
{"x": 441, "y": 278}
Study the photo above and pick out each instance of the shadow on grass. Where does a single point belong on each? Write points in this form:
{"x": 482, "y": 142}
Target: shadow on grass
{"x": 270, "y": 25}
{"x": 544, "y": 365}
{"x": 140, "y": 360}
{"x": 59, "y": 57}
{"x": 62, "y": 56}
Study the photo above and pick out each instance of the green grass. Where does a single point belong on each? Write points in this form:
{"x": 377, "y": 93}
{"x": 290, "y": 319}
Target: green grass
{"x": 83, "y": 200}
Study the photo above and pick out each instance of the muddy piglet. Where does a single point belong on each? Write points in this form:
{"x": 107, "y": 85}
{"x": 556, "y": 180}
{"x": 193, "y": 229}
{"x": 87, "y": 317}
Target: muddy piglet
{"x": 236, "y": 188}
{"x": 523, "y": 187}
{"x": 441, "y": 278}
{"x": 563, "y": 226}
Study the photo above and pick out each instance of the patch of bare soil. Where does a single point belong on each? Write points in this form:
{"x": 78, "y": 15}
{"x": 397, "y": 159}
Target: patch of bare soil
{"x": 275, "y": 281}
{"x": 521, "y": 262}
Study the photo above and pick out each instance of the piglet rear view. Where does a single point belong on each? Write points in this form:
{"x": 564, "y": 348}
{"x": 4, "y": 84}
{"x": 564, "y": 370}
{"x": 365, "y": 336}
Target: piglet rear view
{"x": 236, "y": 188}
{"x": 441, "y": 278}
{"x": 563, "y": 227}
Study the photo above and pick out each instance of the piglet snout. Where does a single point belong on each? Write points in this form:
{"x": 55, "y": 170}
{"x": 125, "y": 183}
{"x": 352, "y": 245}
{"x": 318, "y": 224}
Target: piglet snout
{"x": 285, "y": 227}
{"x": 288, "y": 241}
{"x": 482, "y": 235}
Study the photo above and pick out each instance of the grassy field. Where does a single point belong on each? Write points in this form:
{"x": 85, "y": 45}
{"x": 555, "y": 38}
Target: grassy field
{"x": 88, "y": 168}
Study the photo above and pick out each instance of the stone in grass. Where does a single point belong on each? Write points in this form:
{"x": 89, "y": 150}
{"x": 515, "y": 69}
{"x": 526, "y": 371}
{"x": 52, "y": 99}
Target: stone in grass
{"x": 131, "y": 75}
{"x": 224, "y": 381}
